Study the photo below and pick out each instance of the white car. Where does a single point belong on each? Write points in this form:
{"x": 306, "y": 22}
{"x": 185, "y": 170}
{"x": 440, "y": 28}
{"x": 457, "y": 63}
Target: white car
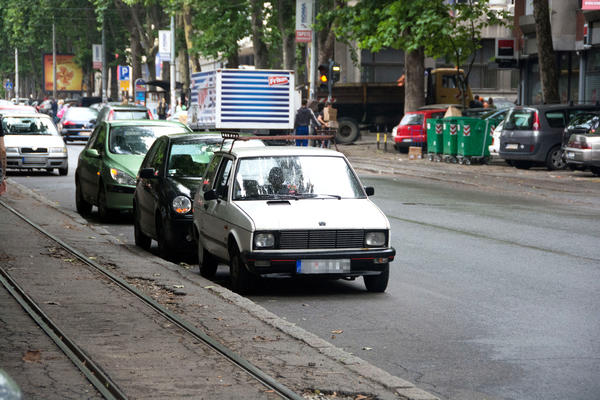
{"x": 289, "y": 211}
{"x": 33, "y": 142}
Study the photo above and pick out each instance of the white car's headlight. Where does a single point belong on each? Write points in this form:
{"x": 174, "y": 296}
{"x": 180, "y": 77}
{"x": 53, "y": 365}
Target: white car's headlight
{"x": 375, "y": 239}
{"x": 121, "y": 177}
{"x": 12, "y": 150}
{"x": 264, "y": 240}
{"x": 61, "y": 150}
{"x": 181, "y": 205}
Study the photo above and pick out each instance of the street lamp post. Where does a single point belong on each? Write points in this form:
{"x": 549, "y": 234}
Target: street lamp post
{"x": 173, "y": 61}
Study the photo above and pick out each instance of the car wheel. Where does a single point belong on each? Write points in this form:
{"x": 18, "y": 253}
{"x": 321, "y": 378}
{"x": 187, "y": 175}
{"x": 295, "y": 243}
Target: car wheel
{"x": 521, "y": 164}
{"x": 242, "y": 281}
{"x": 347, "y": 131}
{"x": 208, "y": 266}
{"x": 554, "y": 159}
{"x": 595, "y": 170}
{"x": 103, "y": 211}
{"x": 378, "y": 283}
{"x": 140, "y": 239}
{"x": 83, "y": 207}
{"x": 63, "y": 171}
{"x": 164, "y": 249}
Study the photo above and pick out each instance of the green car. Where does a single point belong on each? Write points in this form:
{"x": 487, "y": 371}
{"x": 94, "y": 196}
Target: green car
{"x": 109, "y": 163}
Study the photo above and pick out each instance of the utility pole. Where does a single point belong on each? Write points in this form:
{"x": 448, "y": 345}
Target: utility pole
{"x": 313, "y": 55}
{"x": 17, "y": 74}
{"x": 104, "y": 96}
{"x": 173, "y": 61}
{"x": 53, "y": 61}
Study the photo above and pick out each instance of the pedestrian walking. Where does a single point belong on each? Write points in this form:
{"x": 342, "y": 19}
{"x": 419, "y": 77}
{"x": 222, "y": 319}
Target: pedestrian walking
{"x": 2, "y": 160}
{"x": 304, "y": 117}
{"x": 490, "y": 103}
{"x": 162, "y": 109}
{"x": 476, "y": 102}
{"x": 54, "y": 110}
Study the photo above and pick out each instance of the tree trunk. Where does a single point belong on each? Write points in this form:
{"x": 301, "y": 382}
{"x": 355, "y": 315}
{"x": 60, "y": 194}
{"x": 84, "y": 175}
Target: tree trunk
{"x": 546, "y": 56}
{"x": 285, "y": 21}
{"x": 136, "y": 63}
{"x": 414, "y": 88}
{"x": 326, "y": 41}
{"x": 261, "y": 56}
{"x": 187, "y": 29}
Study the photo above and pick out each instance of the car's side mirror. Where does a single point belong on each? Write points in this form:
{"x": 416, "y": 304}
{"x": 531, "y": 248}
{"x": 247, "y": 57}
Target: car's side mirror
{"x": 370, "y": 190}
{"x": 92, "y": 153}
{"x": 147, "y": 173}
{"x": 211, "y": 195}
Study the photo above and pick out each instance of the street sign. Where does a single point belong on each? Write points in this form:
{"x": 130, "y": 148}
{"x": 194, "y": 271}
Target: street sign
{"x": 124, "y": 72}
{"x": 140, "y": 85}
{"x": 97, "y": 56}
{"x": 164, "y": 45}
{"x": 304, "y": 20}
{"x": 8, "y": 85}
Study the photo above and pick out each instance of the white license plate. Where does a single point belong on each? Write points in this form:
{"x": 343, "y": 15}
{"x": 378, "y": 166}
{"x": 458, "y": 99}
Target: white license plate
{"x": 322, "y": 266}
{"x": 512, "y": 146}
{"x": 570, "y": 155}
{"x": 407, "y": 140}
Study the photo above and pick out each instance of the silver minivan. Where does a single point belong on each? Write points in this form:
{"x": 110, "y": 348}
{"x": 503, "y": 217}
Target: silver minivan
{"x": 532, "y": 135}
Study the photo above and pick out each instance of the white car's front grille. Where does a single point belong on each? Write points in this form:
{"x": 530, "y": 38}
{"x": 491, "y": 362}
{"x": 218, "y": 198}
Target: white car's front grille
{"x": 321, "y": 239}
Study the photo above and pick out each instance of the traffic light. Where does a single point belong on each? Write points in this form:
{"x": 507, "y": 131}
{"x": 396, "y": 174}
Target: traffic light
{"x": 324, "y": 76}
{"x": 334, "y": 71}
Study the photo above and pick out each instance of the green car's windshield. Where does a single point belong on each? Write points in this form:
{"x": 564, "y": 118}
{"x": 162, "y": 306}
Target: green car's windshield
{"x": 137, "y": 139}
{"x": 189, "y": 158}
{"x": 28, "y": 126}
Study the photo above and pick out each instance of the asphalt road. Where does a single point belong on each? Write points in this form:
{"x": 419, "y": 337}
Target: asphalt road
{"x": 493, "y": 294}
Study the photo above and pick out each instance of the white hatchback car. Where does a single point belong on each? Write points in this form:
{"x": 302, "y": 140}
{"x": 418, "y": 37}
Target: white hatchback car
{"x": 289, "y": 211}
{"x": 33, "y": 142}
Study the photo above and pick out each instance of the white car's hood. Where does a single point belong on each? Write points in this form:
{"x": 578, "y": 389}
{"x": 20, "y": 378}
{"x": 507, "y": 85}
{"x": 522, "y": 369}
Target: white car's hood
{"x": 315, "y": 214}
{"x": 33, "y": 141}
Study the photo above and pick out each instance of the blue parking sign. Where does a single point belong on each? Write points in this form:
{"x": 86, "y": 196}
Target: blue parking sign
{"x": 123, "y": 72}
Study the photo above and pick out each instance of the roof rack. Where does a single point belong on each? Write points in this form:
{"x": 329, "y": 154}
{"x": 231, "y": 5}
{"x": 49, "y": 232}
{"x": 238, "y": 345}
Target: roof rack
{"x": 329, "y": 135}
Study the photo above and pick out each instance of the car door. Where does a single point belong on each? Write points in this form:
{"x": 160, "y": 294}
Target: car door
{"x": 216, "y": 224}
{"x": 148, "y": 190}
{"x": 90, "y": 165}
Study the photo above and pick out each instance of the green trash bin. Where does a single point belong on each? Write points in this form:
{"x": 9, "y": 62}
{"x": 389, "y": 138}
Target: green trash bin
{"x": 473, "y": 140}
{"x": 435, "y": 139}
{"x": 451, "y": 128}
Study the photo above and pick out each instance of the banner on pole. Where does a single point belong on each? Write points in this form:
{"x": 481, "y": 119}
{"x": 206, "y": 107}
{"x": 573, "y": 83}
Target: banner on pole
{"x": 164, "y": 45}
{"x": 97, "y": 56}
{"x": 304, "y": 20}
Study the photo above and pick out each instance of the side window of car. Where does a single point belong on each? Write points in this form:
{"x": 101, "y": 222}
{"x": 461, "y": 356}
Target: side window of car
{"x": 159, "y": 156}
{"x": 222, "y": 178}
{"x": 100, "y": 139}
{"x": 93, "y": 137}
{"x": 210, "y": 172}
{"x": 556, "y": 119}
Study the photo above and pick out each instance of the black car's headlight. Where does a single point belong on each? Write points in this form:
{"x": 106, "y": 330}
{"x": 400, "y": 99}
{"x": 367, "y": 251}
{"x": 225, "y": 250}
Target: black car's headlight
{"x": 122, "y": 178}
{"x": 375, "y": 239}
{"x": 264, "y": 240}
{"x": 182, "y": 204}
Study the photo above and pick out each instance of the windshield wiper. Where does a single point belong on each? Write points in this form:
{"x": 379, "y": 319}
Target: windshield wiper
{"x": 335, "y": 196}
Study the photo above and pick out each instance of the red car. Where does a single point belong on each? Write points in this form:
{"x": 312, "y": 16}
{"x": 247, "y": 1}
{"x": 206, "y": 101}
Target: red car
{"x": 412, "y": 129}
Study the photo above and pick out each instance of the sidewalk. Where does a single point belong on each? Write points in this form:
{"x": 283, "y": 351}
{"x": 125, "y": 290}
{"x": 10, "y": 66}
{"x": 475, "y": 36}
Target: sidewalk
{"x": 300, "y": 360}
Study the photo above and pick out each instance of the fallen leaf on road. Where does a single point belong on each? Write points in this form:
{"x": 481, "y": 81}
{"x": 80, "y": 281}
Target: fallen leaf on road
{"x": 52, "y": 303}
{"x": 337, "y": 331}
{"x": 178, "y": 286}
{"x": 32, "y": 356}
{"x": 367, "y": 348}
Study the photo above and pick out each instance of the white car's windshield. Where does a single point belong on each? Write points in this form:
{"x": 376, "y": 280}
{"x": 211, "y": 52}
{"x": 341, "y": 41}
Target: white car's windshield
{"x": 264, "y": 178}
{"x": 28, "y": 126}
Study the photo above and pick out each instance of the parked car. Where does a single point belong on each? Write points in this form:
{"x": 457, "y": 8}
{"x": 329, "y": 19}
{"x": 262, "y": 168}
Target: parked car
{"x": 112, "y": 112}
{"x": 107, "y": 166}
{"x": 32, "y": 142}
{"x": 16, "y": 109}
{"x": 166, "y": 184}
{"x": 412, "y": 129}
{"x": 532, "y": 135}
{"x": 77, "y": 123}
{"x": 582, "y": 150}
{"x": 289, "y": 211}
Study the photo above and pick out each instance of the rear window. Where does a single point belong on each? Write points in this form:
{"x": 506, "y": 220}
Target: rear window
{"x": 80, "y": 114}
{"x": 412, "y": 119}
{"x": 129, "y": 114}
{"x": 438, "y": 115}
{"x": 556, "y": 119}
{"x": 520, "y": 120}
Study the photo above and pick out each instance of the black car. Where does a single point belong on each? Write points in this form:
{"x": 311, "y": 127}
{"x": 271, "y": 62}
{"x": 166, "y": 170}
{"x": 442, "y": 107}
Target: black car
{"x": 166, "y": 184}
{"x": 77, "y": 123}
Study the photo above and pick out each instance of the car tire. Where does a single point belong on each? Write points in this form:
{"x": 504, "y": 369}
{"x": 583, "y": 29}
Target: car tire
{"x": 139, "y": 238}
{"x": 63, "y": 171}
{"x": 521, "y": 164}
{"x": 208, "y": 266}
{"x": 595, "y": 170}
{"x": 164, "y": 248}
{"x": 103, "y": 211}
{"x": 347, "y": 131}
{"x": 378, "y": 283}
{"x": 554, "y": 159}
{"x": 83, "y": 207}
{"x": 242, "y": 280}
